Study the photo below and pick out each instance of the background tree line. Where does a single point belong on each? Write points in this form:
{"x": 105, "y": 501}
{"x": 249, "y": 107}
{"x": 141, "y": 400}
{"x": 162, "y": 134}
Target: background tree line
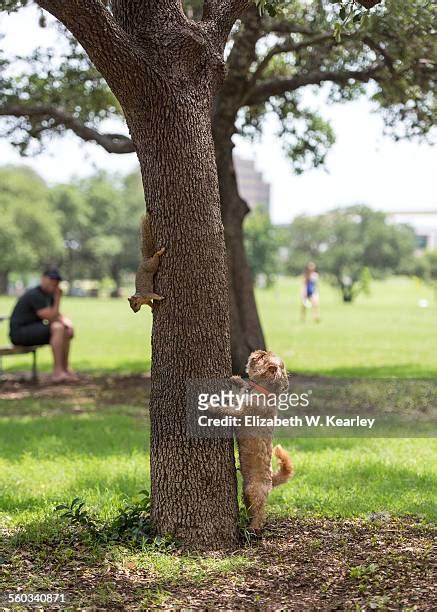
{"x": 89, "y": 227}
{"x": 350, "y": 246}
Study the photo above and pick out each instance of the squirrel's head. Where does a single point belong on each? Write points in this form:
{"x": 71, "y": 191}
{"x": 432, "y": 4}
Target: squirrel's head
{"x": 136, "y": 301}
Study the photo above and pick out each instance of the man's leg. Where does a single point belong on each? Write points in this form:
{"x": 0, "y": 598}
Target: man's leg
{"x": 68, "y": 334}
{"x": 57, "y": 343}
{"x": 303, "y": 310}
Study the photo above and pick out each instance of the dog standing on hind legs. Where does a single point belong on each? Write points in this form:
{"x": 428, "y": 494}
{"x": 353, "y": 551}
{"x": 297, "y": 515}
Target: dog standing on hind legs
{"x": 267, "y": 378}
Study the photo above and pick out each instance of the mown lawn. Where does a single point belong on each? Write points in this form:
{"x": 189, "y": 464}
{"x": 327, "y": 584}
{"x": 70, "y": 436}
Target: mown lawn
{"x": 383, "y": 334}
{"x": 79, "y": 442}
{"x": 55, "y": 450}
{"x": 356, "y": 516}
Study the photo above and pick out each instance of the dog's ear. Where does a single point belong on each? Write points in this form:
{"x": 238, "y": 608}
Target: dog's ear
{"x": 254, "y": 357}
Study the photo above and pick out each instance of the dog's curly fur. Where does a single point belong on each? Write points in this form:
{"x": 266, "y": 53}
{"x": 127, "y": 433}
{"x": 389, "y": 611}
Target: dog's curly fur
{"x": 267, "y": 375}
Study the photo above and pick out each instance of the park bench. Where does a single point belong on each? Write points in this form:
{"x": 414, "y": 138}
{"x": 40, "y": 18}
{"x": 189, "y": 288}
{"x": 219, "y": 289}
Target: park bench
{"x": 19, "y": 350}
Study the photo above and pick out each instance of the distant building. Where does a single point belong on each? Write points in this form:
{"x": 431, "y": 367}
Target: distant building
{"x": 251, "y": 185}
{"x": 424, "y": 223}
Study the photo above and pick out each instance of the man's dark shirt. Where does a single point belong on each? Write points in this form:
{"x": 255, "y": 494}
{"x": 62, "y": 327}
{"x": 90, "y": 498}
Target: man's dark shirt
{"x": 27, "y": 305}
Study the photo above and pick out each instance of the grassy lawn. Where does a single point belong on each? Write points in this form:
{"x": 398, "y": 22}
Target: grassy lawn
{"x": 323, "y": 544}
{"x": 52, "y": 454}
{"x": 383, "y": 334}
{"x": 90, "y": 445}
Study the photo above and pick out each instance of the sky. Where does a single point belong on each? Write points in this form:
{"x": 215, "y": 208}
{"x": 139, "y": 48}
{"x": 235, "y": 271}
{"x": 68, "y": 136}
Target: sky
{"x": 362, "y": 167}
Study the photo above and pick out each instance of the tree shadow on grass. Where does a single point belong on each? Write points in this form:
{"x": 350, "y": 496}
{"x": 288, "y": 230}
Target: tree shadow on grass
{"x": 365, "y": 486}
{"x": 397, "y": 370}
{"x": 83, "y": 366}
{"x": 86, "y": 435}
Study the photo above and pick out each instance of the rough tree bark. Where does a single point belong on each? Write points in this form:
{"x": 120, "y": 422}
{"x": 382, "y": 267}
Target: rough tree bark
{"x": 193, "y": 482}
{"x": 246, "y": 330}
{"x": 165, "y": 71}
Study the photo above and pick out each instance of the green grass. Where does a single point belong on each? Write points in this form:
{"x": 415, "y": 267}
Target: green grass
{"x": 102, "y": 457}
{"x": 383, "y": 334}
{"x": 50, "y": 453}
{"x": 55, "y": 450}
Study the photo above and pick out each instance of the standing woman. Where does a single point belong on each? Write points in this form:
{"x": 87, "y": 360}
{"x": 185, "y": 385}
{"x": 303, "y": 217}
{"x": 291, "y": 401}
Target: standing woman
{"x": 310, "y": 291}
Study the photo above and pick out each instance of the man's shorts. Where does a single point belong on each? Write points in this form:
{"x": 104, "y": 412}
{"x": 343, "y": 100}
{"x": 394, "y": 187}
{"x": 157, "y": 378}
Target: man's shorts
{"x": 30, "y": 335}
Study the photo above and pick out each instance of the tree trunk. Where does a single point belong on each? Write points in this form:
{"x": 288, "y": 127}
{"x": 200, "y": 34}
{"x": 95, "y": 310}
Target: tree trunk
{"x": 116, "y": 277}
{"x": 194, "y": 495}
{"x": 4, "y": 281}
{"x": 165, "y": 70}
{"x": 70, "y": 269}
{"x": 246, "y": 330}
{"x": 347, "y": 293}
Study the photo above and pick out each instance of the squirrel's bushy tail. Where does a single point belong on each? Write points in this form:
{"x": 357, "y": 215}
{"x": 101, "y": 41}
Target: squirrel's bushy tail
{"x": 286, "y": 469}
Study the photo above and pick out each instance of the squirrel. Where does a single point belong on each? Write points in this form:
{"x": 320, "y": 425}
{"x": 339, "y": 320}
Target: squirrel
{"x": 149, "y": 263}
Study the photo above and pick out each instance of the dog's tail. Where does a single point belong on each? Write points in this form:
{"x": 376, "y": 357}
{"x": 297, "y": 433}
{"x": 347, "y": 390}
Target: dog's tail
{"x": 286, "y": 469}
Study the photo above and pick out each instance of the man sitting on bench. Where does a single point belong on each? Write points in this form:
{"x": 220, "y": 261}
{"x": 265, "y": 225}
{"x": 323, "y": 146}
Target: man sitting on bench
{"x": 36, "y": 320}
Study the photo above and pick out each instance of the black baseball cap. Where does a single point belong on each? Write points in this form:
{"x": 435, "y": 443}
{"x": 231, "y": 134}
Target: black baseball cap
{"x": 53, "y": 273}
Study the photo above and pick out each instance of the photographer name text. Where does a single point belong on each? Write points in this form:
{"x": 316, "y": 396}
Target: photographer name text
{"x": 293, "y": 421}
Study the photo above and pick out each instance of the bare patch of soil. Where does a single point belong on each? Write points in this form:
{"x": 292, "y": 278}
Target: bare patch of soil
{"x": 130, "y": 389}
{"x": 299, "y": 564}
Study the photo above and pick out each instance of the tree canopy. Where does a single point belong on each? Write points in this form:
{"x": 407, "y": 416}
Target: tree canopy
{"x": 271, "y": 61}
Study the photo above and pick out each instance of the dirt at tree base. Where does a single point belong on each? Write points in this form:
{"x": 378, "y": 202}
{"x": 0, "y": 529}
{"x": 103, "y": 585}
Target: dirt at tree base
{"x": 299, "y": 564}
{"x": 327, "y": 565}
{"x": 105, "y": 389}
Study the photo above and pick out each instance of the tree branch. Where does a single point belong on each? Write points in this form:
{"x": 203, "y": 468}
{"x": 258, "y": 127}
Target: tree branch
{"x": 368, "y": 4}
{"x": 279, "y": 86}
{"x": 113, "y": 143}
{"x": 240, "y": 59}
{"x": 103, "y": 39}
{"x": 290, "y": 47}
{"x": 379, "y": 49}
{"x": 287, "y": 27}
{"x": 220, "y": 15}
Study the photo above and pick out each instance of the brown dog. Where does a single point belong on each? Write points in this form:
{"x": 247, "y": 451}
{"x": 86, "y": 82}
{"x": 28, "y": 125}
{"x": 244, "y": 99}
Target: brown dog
{"x": 267, "y": 378}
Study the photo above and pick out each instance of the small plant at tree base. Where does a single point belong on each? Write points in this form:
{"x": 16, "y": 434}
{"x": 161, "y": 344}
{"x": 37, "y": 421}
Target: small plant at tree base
{"x": 79, "y": 515}
{"x": 133, "y": 521}
{"x": 131, "y": 525}
{"x": 363, "y": 571}
{"x": 247, "y": 535}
